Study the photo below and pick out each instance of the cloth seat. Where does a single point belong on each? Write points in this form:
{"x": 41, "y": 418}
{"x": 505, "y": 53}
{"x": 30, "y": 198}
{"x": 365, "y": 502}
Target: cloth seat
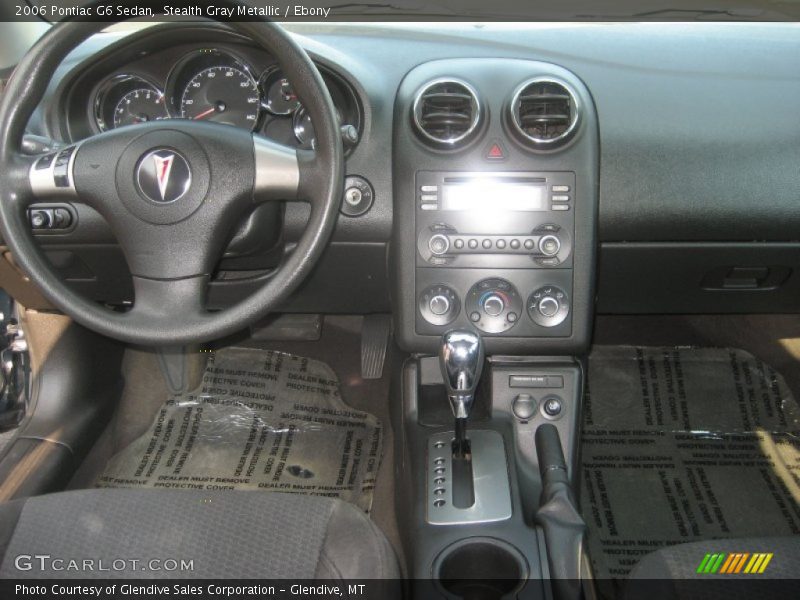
{"x": 225, "y": 534}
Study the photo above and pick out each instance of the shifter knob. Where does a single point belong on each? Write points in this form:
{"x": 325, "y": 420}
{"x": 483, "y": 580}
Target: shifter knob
{"x": 461, "y": 360}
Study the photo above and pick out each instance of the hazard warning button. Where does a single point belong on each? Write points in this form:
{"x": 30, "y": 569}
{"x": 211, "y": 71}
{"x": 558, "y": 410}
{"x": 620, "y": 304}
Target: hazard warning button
{"x": 495, "y": 151}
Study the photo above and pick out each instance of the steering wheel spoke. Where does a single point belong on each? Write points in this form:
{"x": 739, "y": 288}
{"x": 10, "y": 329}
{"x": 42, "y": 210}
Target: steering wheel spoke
{"x": 277, "y": 171}
{"x": 163, "y": 300}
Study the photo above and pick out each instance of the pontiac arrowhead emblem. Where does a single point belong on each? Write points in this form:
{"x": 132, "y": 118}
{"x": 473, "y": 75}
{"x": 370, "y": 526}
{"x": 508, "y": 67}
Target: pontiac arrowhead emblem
{"x": 163, "y": 176}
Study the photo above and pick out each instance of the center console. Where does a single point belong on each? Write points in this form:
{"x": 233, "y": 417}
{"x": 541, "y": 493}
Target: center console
{"x": 495, "y": 192}
{"x": 495, "y": 205}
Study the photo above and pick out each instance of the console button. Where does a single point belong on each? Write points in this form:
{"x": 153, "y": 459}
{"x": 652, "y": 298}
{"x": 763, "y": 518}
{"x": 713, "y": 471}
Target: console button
{"x": 512, "y": 317}
{"x": 560, "y": 207}
{"x": 560, "y": 188}
{"x": 529, "y": 245}
{"x": 473, "y": 243}
{"x": 458, "y": 244}
{"x": 487, "y": 244}
{"x": 501, "y": 244}
{"x": 439, "y": 244}
{"x": 514, "y": 244}
{"x": 552, "y": 406}
{"x": 549, "y": 245}
{"x": 524, "y": 406}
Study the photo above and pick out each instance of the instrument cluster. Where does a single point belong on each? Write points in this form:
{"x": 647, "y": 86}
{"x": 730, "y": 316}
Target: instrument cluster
{"x": 218, "y": 86}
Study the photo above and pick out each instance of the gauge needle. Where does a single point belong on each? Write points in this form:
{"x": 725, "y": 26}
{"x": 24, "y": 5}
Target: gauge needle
{"x": 205, "y": 113}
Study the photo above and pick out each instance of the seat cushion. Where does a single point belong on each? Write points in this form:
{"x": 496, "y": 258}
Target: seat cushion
{"x": 227, "y": 534}
{"x": 676, "y": 570}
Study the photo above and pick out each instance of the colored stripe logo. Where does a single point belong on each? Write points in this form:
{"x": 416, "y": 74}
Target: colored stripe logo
{"x": 734, "y": 563}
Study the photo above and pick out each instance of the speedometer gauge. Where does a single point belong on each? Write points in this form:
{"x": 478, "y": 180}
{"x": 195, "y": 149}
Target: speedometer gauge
{"x": 222, "y": 94}
{"x": 140, "y": 106}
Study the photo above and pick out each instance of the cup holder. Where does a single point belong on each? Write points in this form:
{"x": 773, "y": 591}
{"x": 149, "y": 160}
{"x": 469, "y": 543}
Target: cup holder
{"x": 480, "y": 569}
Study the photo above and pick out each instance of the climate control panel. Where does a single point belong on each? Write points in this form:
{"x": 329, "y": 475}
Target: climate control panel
{"x": 532, "y": 303}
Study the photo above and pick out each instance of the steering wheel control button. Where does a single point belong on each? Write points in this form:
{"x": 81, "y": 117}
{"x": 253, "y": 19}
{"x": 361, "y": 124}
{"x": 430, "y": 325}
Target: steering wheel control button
{"x": 40, "y": 219}
{"x": 439, "y": 305}
{"x": 163, "y": 176}
{"x": 548, "y": 306}
{"x": 358, "y": 196}
{"x": 524, "y": 407}
{"x": 45, "y": 161}
{"x": 493, "y": 305}
{"x": 552, "y": 407}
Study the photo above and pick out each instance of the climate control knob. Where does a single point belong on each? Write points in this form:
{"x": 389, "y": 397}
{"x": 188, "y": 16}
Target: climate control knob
{"x": 548, "y": 306}
{"x": 439, "y": 305}
{"x": 493, "y": 305}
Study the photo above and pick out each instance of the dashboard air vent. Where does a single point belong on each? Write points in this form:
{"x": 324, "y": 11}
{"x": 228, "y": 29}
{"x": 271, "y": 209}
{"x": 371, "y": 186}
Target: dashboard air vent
{"x": 544, "y": 112}
{"x": 447, "y": 112}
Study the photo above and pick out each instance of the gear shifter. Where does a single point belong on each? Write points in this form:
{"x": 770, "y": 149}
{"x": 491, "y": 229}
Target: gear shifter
{"x": 461, "y": 361}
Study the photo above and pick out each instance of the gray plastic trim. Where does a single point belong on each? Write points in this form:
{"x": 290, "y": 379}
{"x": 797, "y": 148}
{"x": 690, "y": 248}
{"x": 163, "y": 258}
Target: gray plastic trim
{"x": 489, "y": 474}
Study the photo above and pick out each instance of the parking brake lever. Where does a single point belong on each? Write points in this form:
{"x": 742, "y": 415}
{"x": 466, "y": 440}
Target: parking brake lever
{"x": 558, "y": 516}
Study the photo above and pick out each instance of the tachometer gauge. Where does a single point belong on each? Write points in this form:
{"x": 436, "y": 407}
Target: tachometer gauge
{"x": 222, "y": 94}
{"x": 140, "y": 106}
{"x": 279, "y": 96}
{"x": 126, "y": 100}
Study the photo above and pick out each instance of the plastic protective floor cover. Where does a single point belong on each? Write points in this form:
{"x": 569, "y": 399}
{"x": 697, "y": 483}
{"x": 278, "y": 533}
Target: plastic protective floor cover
{"x": 260, "y": 420}
{"x": 682, "y": 445}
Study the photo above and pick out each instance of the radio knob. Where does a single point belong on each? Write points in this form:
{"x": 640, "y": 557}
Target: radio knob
{"x": 493, "y": 305}
{"x": 548, "y": 306}
{"x": 439, "y": 305}
{"x": 549, "y": 245}
{"x": 439, "y": 244}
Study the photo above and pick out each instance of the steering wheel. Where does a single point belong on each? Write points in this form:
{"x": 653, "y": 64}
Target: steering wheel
{"x": 172, "y": 192}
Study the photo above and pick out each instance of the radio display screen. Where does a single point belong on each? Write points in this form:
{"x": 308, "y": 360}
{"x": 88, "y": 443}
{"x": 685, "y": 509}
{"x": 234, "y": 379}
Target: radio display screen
{"x": 494, "y": 193}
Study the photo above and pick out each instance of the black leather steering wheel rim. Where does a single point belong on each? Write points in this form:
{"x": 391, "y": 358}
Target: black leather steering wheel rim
{"x": 170, "y": 322}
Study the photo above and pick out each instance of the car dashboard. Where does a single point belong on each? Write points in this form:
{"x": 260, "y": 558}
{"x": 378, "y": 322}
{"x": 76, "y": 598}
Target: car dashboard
{"x": 511, "y": 177}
